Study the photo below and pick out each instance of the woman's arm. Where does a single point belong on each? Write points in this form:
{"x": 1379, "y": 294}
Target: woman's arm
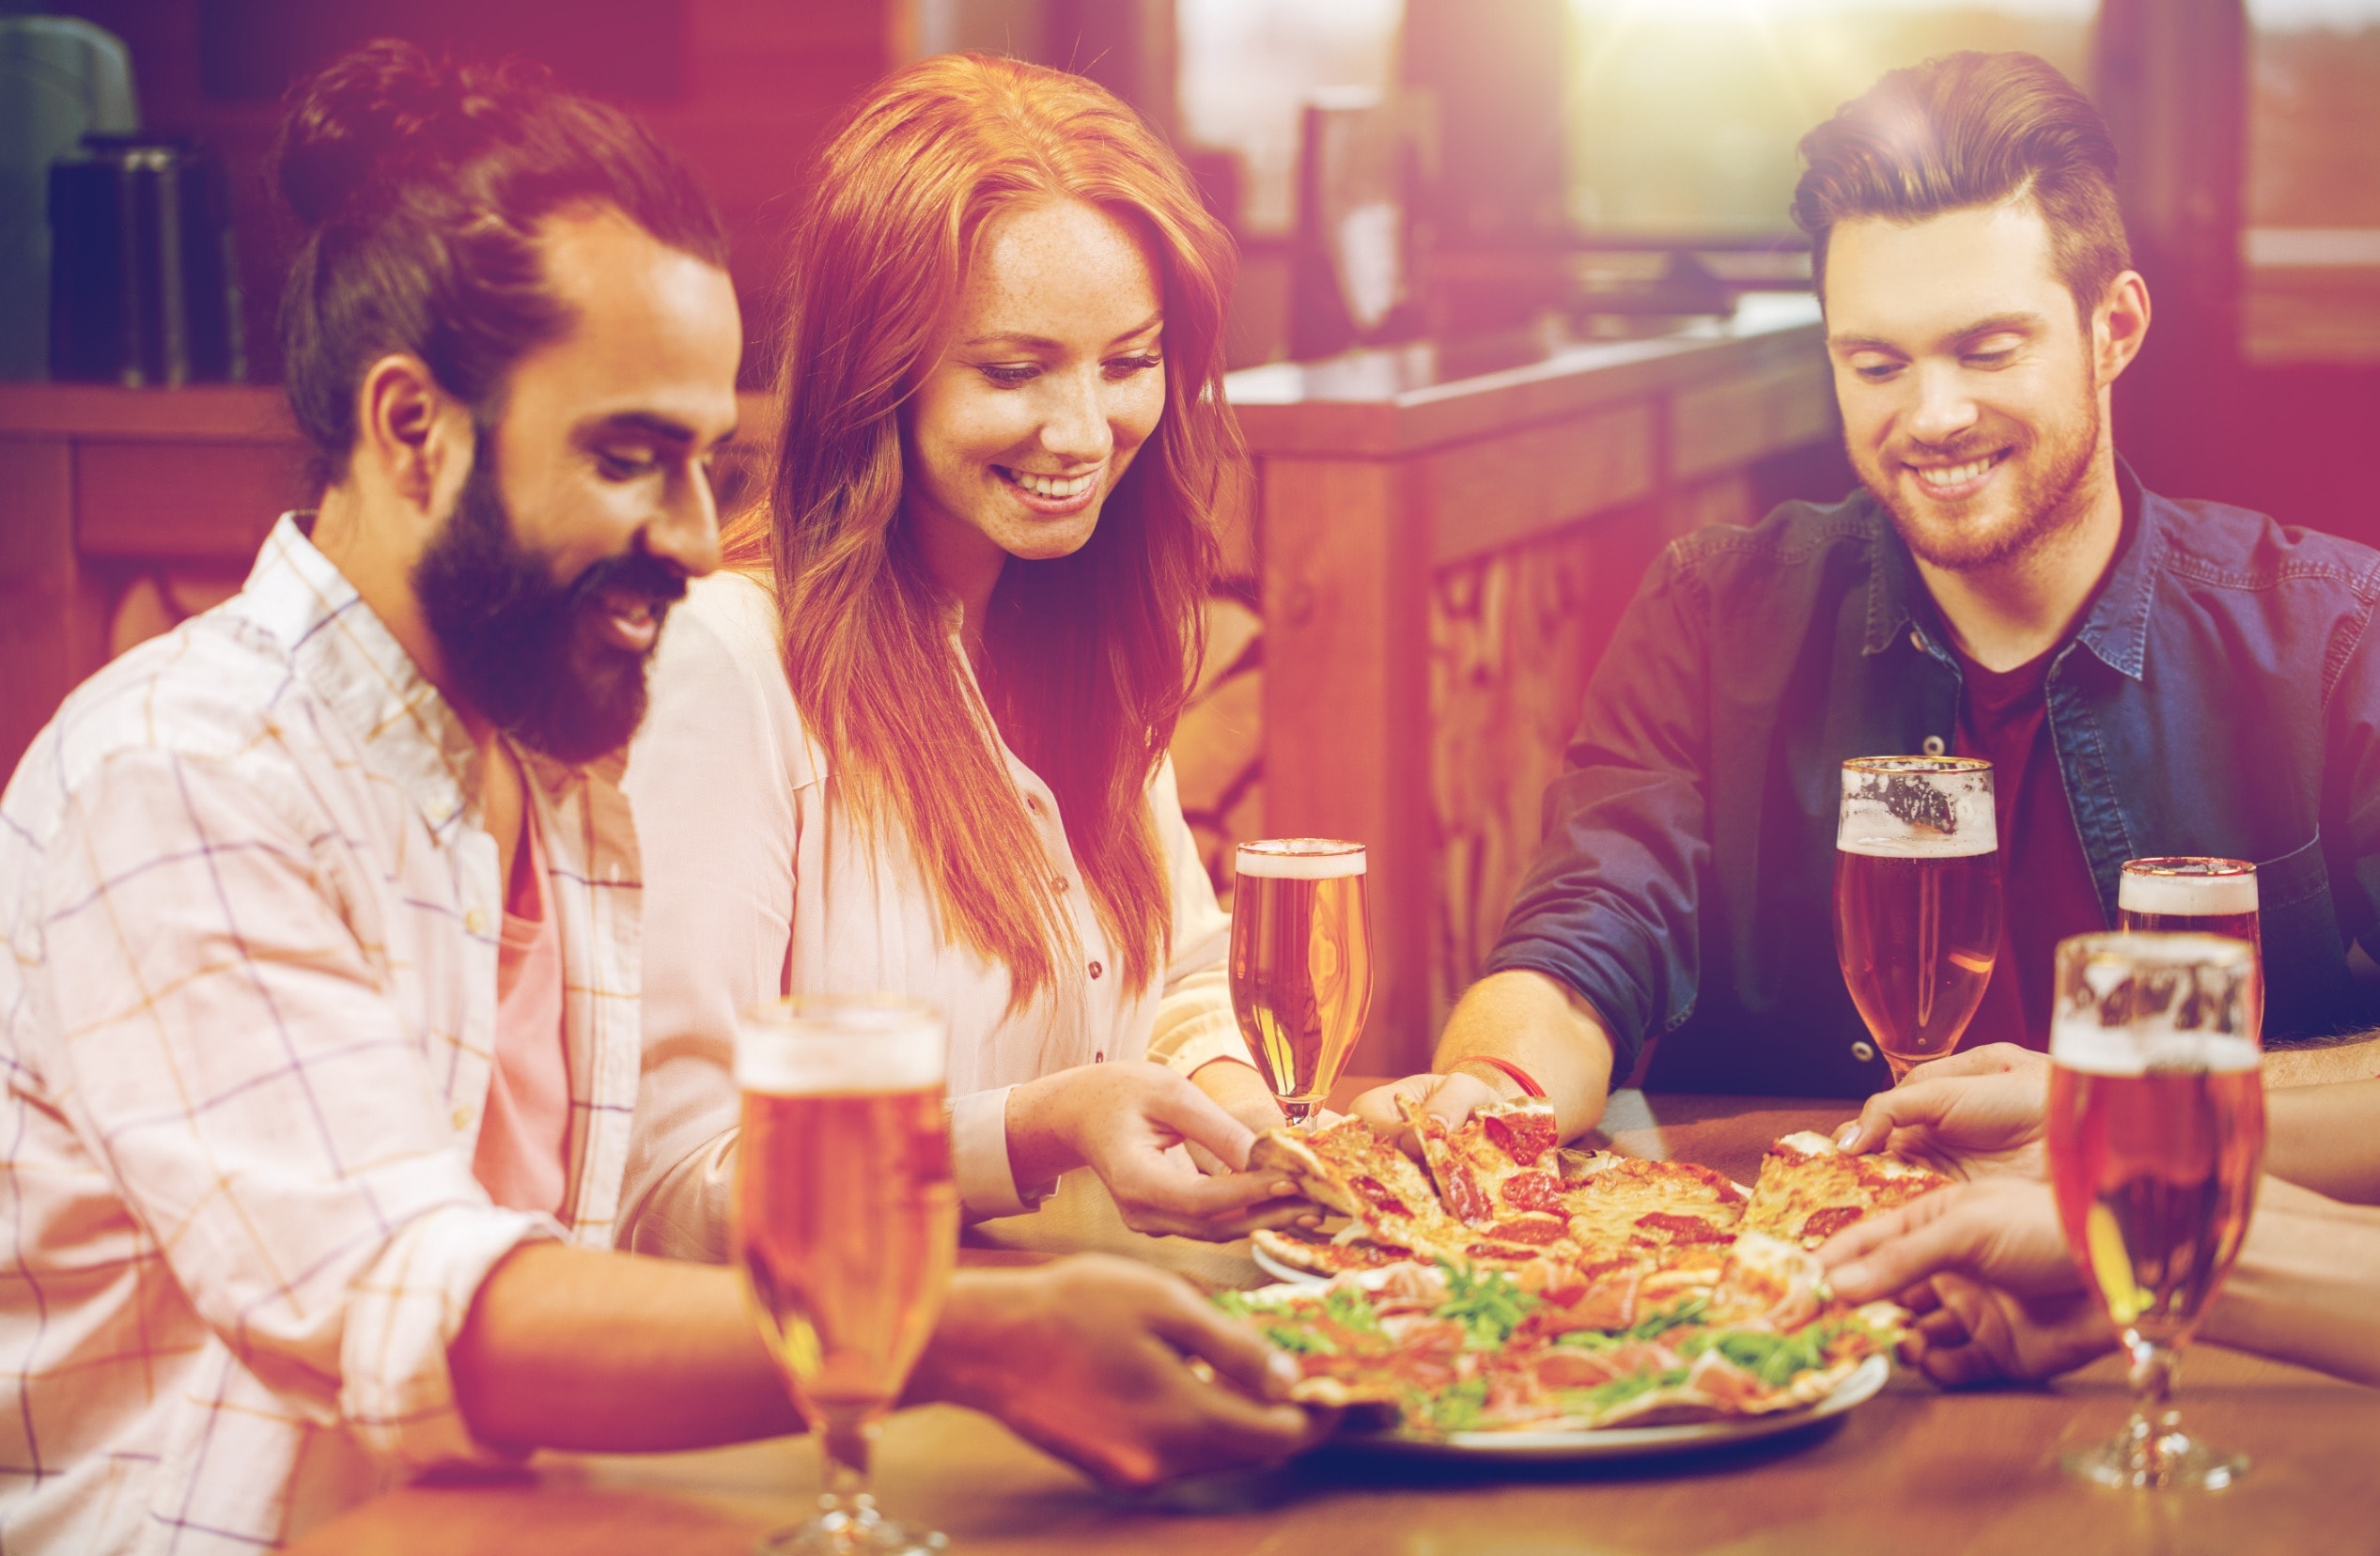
{"x": 711, "y": 777}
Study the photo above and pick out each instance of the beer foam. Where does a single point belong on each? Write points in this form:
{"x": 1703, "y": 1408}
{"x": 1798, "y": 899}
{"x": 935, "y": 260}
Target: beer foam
{"x": 1917, "y": 808}
{"x": 2081, "y": 1044}
{"x": 814, "y": 1046}
{"x": 1302, "y": 859}
{"x": 2188, "y": 896}
{"x": 1919, "y": 843}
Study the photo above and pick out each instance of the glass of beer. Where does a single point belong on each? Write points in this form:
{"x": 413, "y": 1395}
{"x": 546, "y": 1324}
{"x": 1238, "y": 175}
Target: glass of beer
{"x": 2207, "y": 896}
{"x": 2156, "y": 1134}
{"x": 1917, "y": 899}
{"x": 1300, "y": 963}
{"x": 846, "y": 1223}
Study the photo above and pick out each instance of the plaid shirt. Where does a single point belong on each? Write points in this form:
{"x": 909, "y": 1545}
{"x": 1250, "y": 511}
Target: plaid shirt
{"x": 247, "y": 1026}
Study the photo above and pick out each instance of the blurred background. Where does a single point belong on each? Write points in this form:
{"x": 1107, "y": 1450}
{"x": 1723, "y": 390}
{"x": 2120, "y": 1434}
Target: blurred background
{"x": 1519, "y": 301}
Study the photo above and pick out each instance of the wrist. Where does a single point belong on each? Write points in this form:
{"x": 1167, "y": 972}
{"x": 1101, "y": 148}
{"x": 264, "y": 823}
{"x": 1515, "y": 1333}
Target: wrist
{"x": 1041, "y": 1146}
{"x": 1493, "y": 1076}
{"x": 976, "y": 1325}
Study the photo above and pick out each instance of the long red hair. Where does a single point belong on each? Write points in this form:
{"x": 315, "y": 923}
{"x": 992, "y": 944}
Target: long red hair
{"x": 1089, "y": 657}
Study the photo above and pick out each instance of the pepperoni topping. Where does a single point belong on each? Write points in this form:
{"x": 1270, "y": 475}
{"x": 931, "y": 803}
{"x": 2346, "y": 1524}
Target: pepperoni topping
{"x": 1523, "y": 1136}
{"x": 1540, "y": 1191}
{"x": 1833, "y": 1219}
{"x": 1377, "y": 1192}
{"x": 1684, "y": 1229}
{"x": 1539, "y": 1230}
{"x": 1464, "y": 1196}
{"x": 1500, "y": 1250}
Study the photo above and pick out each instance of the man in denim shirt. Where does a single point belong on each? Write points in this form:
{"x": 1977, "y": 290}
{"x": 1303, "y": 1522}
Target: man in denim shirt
{"x": 2150, "y": 677}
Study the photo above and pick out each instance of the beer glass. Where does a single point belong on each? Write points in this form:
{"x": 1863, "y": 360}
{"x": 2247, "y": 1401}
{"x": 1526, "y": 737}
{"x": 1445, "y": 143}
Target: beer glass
{"x": 2156, "y": 1133}
{"x": 2209, "y": 896}
{"x": 1300, "y": 963}
{"x": 847, "y": 1224}
{"x": 1917, "y": 899}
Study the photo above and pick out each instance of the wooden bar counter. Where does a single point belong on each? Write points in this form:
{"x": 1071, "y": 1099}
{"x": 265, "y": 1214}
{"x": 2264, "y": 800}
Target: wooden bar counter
{"x": 1441, "y": 553}
{"x": 1915, "y": 1469}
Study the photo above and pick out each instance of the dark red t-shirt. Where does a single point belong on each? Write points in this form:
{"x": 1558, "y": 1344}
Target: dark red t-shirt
{"x": 2046, "y": 892}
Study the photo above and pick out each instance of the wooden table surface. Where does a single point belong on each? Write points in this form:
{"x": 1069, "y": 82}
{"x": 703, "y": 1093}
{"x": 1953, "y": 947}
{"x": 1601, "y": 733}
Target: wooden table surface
{"x": 1915, "y": 1469}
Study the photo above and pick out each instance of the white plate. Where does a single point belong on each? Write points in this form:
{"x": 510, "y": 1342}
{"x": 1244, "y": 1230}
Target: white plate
{"x": 1619, "y": 1442}
{"x": 1280, "y": 1271}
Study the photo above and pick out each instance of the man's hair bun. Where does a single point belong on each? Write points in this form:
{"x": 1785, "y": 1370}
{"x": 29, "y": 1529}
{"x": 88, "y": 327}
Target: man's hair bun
{"x": 386, "y": 109}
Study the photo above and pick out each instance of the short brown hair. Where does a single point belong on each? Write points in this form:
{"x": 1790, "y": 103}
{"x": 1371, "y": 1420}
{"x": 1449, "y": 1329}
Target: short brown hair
{"x": 1964, "y": 131}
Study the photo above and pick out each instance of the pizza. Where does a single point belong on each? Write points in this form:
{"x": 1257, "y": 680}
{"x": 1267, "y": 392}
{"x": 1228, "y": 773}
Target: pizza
{"x": 1810, "y": 1190}
{"x": 1516, "y": 1283}
{"x": 1465, "y": 1348}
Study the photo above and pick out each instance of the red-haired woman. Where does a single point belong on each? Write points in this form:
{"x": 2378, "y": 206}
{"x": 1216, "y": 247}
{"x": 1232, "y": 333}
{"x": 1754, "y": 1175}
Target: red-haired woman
{"x": 914, "y": 739}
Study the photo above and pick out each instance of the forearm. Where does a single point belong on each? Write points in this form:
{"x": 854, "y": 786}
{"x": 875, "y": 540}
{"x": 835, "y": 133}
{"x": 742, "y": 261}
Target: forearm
{"x": 1539, "y": 1024}
{"x": 2302, "y": 1288}
{"x": 2326, "y": 1138}
{"x": 569, "y": 1347}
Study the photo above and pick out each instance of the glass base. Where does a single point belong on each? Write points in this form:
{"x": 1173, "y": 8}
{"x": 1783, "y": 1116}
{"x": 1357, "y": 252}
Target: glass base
{"x": 2158, "y": 1459}
{"x": 845, "y": 1532}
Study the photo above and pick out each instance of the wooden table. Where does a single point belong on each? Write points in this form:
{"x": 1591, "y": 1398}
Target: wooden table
{"x": 1914, "y": 1471}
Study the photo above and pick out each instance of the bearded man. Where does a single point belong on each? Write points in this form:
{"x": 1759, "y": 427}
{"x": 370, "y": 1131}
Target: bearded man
{"x": 320, "y": 1010}
{"x": 2147, "y": 676}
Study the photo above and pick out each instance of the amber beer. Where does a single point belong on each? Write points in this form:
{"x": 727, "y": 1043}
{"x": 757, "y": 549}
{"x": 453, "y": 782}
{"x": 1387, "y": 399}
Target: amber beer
{"x": 846, "y": 1219}
{"x": 2155, "y": 1169}
{"x": 1916, "y": 899}
{"x": 2156, "y": 1132}
{"x": 1300, "y": 963}
{"x": 2207, "y": 896}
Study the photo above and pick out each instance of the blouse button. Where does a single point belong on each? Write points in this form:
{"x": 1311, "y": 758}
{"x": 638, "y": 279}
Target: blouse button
{"x": 1863, "y": 1051}
{"x": 1032, "y": 804}
{"x": 1916, "y": 641}
{"x": 1098, "y": 1058}
{"x": 1097, "y": 969}
{"x": 1059, "y": 884}
{"x": 474, "y": 923}
{"x": 1933, "y": 746}
{"x": 462, "y": 1119}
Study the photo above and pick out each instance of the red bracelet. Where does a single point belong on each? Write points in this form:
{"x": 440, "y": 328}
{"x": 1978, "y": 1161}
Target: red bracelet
{"x": 1521, "y": 1078}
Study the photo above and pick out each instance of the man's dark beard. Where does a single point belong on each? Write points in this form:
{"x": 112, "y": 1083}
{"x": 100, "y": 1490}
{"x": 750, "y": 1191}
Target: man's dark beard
{"x": 525, "y": 649}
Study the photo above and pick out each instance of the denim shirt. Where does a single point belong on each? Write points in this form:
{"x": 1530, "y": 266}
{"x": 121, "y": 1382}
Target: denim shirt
{"x": 2216, "y": 699}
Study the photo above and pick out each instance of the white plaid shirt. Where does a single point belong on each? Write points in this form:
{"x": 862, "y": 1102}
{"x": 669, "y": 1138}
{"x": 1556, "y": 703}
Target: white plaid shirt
{"x": 247, "y": 1026}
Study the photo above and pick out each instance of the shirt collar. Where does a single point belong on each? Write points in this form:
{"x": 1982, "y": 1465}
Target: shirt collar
{"x": 2116, "y": 627}
{"x": 345, "y": 654}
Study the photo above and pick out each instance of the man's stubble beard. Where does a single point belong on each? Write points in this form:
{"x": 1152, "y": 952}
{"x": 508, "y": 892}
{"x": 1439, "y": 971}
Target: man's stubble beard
{"x": 2050, "y": 500}
{"x": 522, "y": 648}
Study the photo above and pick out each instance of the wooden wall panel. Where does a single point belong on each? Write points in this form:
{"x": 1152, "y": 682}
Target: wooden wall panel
{"x": 210, "y": 501}
{"x": 1494, "y": 491}
{"x": 1345, "y": 582}
{"x": 37, "y": 596}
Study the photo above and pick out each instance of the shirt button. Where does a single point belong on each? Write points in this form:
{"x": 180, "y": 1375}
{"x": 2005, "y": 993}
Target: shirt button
{"x": 1863, "y": 1051}
{"x": 1097, "y": 969}
{"x": 474, "y": 923}
{"x": 1933, "y": 746}
{"x": 1059, "y": 884}
{"x": 462, "y": 1119}
{"x": 1916, "y": 641}
{"x": 1098, "y": 1058}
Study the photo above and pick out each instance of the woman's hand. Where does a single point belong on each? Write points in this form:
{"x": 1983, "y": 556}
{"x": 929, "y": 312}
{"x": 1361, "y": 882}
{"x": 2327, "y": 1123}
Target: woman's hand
{"x": 1123, "y": 1121}
{"x": 1984, "y": 1266}
{"x": 1972, "y": 1114}
{"x": 1116, "y": 1368}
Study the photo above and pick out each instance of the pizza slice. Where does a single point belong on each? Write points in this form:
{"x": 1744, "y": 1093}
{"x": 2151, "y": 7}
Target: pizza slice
{"x": 1347, "y": 1168}
{"x": 1478, "y": 1161}
{"x": 1809, "y": 1190}
{"x": 1625, "y": 1207}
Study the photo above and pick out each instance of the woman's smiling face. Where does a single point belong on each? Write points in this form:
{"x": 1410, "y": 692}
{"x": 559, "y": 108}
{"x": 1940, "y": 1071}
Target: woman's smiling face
{"x": 1050, "y": 380}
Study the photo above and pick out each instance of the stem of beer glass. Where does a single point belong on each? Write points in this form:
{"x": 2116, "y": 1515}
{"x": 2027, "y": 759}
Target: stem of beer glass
{"x": 2155, "y": 1425}
{"x": 847, "y": 1502}
{"x": 1297, "y": 1114}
